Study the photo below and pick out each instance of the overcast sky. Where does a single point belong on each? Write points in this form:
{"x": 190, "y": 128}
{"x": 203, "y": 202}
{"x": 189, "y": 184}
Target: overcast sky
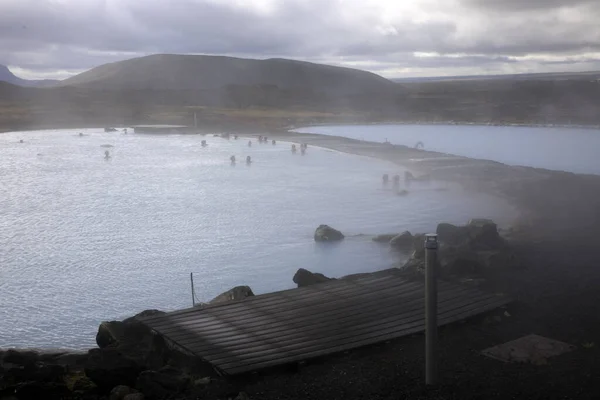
{"x": 394, "y": 38}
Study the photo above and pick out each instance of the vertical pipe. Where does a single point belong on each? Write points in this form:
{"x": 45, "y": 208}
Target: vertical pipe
{"x": 193, "y": 294}
{"x": 431, "y": 339}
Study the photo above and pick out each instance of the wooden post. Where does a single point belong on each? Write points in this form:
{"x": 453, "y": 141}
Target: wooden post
{"x": 431, "y": 339}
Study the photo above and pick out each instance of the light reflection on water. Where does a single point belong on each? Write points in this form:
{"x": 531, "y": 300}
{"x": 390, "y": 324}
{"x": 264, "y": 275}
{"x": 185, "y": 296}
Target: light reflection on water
{"x": 84, "y": 239}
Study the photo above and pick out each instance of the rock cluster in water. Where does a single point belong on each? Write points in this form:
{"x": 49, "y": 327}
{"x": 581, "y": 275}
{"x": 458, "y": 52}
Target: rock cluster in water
{"x": 464, "y": 251}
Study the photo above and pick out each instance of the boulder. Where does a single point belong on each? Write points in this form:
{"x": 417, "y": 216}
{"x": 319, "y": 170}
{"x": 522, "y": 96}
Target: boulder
{"x": 37, "y": 372}
{"x": 36, "y": 390}
{"x": 385, "y": 238}
{"x": 202, "y": 381}
{"x": 303, "y": 277}
{"x": 451, "y": 234}
{"x": 134, "y": 396}
{"x": 464, "y": 267}
{"x": 109, "y": 367}
{"x": 112, "y": 332}
{"x": 164, "y": 383}
{"x": 119, "y": 392}
{"x": 500, "y": 259}
{"x": 20, "y": 357}
{"x": 403, "y": 241}
{"x": 135, "y": 340}
{"x": 483, "y": 235}
{"x": 325, "y": 233}
{"x": 85, "y": 385}
{"x": 236, "y": 293}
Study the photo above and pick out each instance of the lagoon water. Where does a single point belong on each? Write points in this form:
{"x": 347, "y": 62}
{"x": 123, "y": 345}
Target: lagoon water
{"x": 84, "y": 239}
{"x": 564, "y": 149}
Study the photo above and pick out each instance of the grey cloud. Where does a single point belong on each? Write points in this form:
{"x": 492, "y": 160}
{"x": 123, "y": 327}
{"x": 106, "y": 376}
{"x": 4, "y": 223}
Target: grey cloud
{"x": 524, "y": 5}
{"x": 79, "y": 34}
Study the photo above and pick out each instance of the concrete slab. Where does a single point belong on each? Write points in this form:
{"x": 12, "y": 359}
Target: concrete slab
{"x": 532, "y": 349}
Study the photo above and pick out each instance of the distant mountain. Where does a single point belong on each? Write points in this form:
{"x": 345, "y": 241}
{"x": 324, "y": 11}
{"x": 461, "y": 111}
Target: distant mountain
{"x": 7, "y": 76}
{"x": 587, "y": 75}
{"x": 199, "y": 72}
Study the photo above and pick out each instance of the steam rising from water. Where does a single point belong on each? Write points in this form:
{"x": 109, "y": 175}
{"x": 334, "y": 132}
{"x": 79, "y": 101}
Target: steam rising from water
{"x": 86, "y": 239}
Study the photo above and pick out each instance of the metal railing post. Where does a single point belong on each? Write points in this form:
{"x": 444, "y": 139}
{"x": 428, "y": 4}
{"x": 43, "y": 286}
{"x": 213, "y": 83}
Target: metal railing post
{"x": 431, "y": 338}
{"x": 193, "y": 293}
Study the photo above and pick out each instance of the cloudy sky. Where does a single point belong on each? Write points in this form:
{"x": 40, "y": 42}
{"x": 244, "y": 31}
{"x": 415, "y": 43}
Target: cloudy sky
{"x": 395, "y": 38}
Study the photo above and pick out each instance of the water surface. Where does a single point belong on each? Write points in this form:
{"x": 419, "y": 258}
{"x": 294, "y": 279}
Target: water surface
{"x": 84, "y": 239}
{"x": 563, "y": 149}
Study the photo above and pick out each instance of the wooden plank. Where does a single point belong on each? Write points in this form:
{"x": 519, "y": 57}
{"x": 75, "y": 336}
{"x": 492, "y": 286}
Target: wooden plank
{"x": 319, "y": 320}
{"x": 272, "y": 300}
{"x": 330, "y": 334}
{"x": 339, "y": 285}
{"x": 249, "y": 309}
{"x": 403, "y": 331}
{"x": 296, "y": 324}
{"x": 255, "y": 316}
{"x": 199, "y": 314}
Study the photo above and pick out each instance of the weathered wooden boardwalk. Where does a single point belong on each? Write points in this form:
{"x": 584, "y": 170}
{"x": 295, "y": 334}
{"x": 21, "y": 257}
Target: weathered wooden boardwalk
{"x": 297, "y": 324}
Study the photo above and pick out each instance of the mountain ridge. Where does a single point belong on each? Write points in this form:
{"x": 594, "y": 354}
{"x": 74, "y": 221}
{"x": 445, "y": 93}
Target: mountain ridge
{"x": 204, "y": 72}
{"x": 6, "y": 75}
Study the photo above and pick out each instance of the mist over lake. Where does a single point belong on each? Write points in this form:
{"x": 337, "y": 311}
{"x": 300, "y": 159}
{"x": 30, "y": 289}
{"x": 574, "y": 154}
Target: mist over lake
{"x": 85, "y": 239}
{"x": 556, "y": 148}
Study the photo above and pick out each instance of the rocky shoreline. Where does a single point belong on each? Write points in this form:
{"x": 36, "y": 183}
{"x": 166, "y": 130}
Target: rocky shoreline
{"x": 131, "y": 362}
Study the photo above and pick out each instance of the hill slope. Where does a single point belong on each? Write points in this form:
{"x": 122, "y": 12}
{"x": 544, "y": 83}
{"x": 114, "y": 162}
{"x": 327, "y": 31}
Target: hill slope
{"x": 191, "y": 72}
{"x": 7, "y": 76}
{"x": 537, "y": 76}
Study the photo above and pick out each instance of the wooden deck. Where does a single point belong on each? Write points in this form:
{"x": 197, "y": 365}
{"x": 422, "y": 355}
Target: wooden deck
{"x": 293, "y": 325}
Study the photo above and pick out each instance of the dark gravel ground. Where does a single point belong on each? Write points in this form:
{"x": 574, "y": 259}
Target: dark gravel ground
{"x": 556, "y": 296}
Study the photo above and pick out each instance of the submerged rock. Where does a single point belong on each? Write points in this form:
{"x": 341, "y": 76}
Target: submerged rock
{"x": 303, "y": 277}
{"x": 325, "y": 233}
{"x": 236, "y": 293}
